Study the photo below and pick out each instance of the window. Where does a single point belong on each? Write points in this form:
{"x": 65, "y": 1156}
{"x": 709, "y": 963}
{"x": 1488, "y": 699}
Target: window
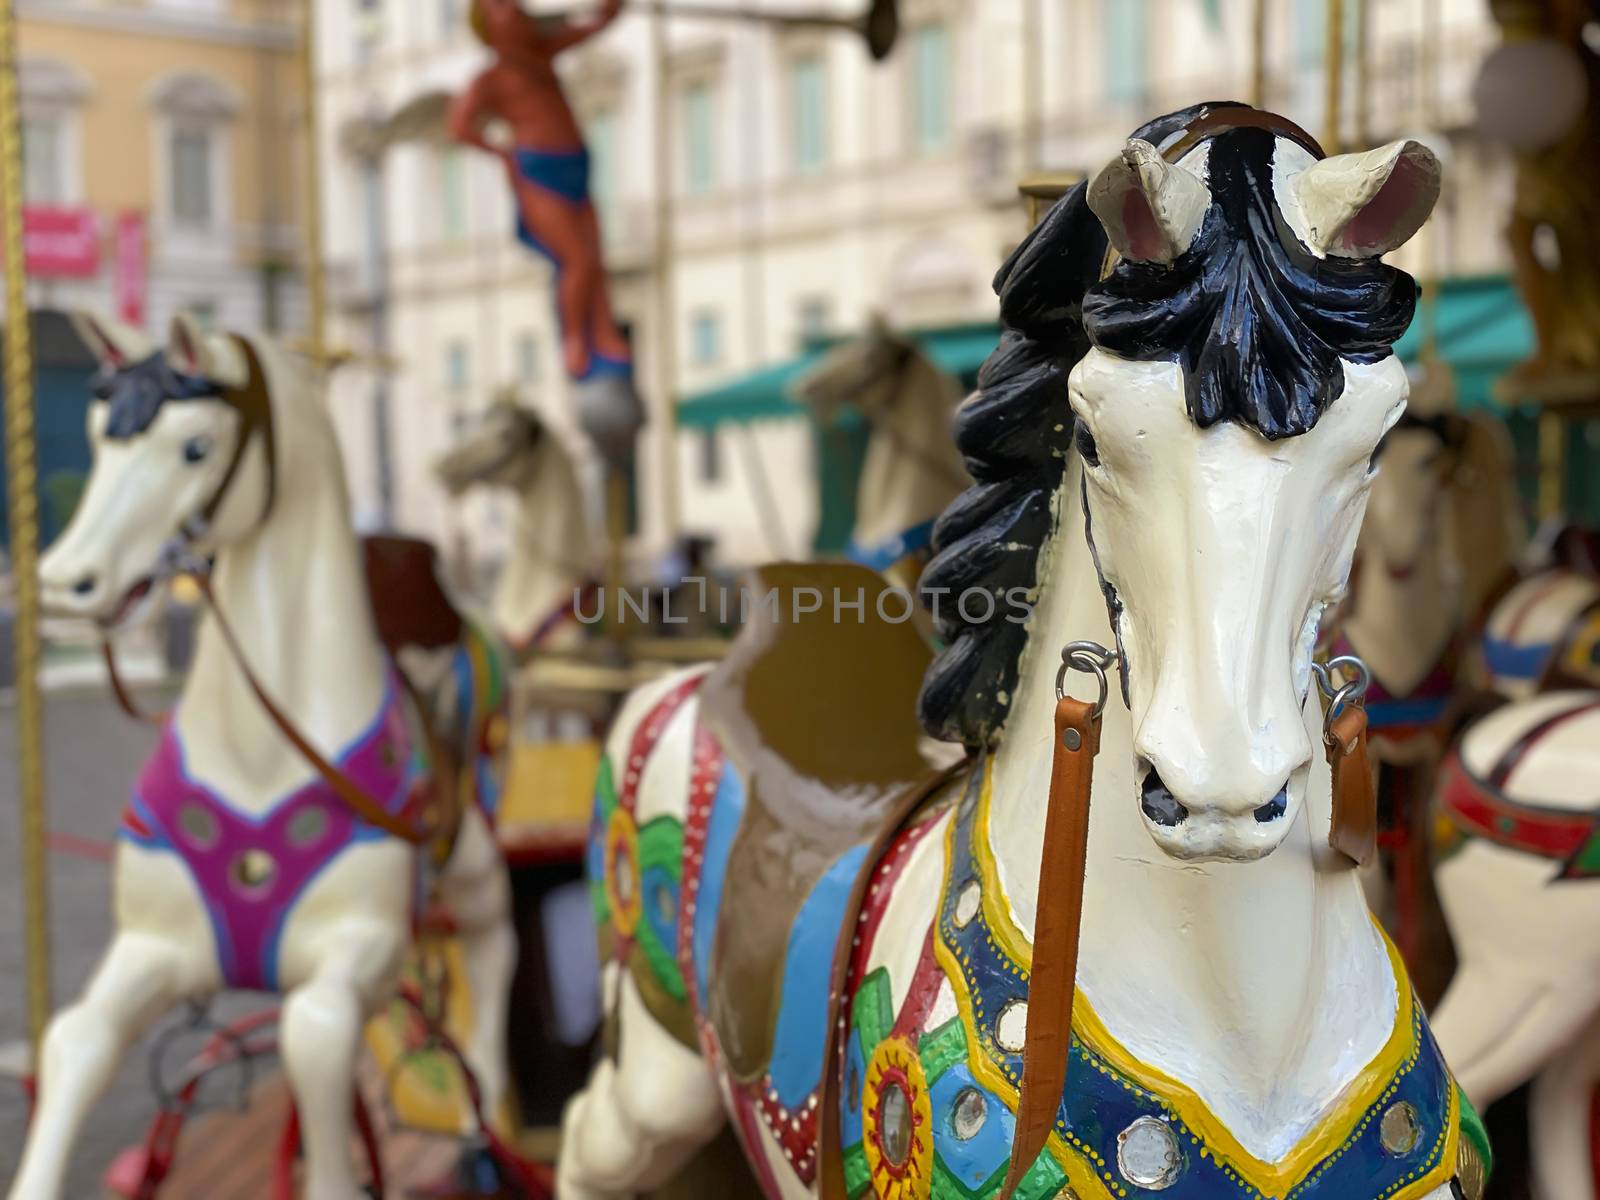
{"x": 930, "y": 88}
{"x": 455, "y": 194}
{"x": 699, "y": 138}
{"x": 1125, "y": 50}
{"x": 601, "y": 138}
{"x": 44, "y": 160}
{"x": 204, "y": 312}
{"x": 528, "y": 358}
{"x": 457, "y": 367}
{"x": 808, "y": 101}
{"x": 816, "y": 318}
{"x": 705, "y": 339}
{"x": 192, "y": 200}
{"x": 450, "y": 21}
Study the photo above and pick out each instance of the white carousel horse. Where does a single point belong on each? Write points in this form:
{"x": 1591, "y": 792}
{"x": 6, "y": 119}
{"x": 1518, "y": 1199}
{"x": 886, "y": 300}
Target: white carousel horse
{"x": 1519, "y": 878}
{"x": 912, "y": 469}
{"x": 1544, "y": 633}
{"x": 552, "y": 550}
{"x": 1242, "y": 1027}
{"x": 239, "y": 865}
{"x": 1441, "y": 532}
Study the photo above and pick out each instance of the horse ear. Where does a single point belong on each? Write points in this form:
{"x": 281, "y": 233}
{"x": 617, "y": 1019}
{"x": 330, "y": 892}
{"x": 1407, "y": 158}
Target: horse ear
{"x": 1364, "y": 205}
{"x": 1151, "y": 209}
{"x": 113, "y": 344}
{"x": 192, "y": 351}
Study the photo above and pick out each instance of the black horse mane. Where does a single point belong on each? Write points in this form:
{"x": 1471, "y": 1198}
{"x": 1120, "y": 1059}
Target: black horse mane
{"x": 1257, "y": 323}
{"x": 137, "y": 392}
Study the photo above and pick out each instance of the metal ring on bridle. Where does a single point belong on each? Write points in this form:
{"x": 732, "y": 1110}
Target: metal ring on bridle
{"x": 1353, "y": 692}
{"x": 1091, "y": 658}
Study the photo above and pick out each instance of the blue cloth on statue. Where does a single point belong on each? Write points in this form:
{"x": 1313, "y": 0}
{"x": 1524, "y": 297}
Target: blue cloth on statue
{"x": 564, "y": 172}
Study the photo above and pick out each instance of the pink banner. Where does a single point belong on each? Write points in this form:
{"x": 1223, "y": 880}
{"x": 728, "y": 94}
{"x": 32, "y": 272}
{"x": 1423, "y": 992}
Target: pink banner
{"x": 133, "y": 274}
{"x": 61, "y": 243}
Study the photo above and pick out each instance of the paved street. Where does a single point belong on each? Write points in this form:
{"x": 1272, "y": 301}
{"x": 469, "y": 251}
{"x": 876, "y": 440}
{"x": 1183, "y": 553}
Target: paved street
{"x": 93, "y": 751}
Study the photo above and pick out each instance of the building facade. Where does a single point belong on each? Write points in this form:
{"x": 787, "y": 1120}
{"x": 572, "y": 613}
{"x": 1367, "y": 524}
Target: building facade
{"x": 163, "y": 159}
{"x": 760, "y": 185}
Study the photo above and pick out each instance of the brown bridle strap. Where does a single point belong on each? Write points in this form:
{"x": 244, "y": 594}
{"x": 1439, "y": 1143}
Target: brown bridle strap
{"x": 354, "y": 796}
{"x": 119, "y": 689}
{"x": 1064, "y": 860}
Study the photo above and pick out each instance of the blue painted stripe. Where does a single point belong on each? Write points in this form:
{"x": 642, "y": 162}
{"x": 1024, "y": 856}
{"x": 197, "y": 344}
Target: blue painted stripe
{"x": 802, "y": 1030}
{"x": 1511, "y": 661}
{"x": 1388, "y": 714}
{"x": 727, "y": 811}
{"x": 884, "y": 555}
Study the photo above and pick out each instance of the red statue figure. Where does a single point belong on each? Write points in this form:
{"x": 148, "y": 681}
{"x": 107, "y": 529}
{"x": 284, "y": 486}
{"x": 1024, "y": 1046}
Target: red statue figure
{"x": 548, "y": 166}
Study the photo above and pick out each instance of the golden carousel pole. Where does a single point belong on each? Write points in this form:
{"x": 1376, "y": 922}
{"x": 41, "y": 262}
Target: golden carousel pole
{"x": 1333, "y": 68}
{"x": 1258, "y": 55}
{"x": 23, "y": 514}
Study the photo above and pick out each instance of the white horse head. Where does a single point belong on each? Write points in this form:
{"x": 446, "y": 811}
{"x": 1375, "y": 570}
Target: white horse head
{"x": 862, "y": 373}
{"x": 1230, "y": 380}
{"x": 510, "y": 447}
{"x": 187, "y": 454}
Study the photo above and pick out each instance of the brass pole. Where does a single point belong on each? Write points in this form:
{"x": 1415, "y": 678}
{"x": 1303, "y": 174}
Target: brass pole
{"x": 1363, "y": 73}
{"x": 1258, "y": 56}
{"x": 23, "y": 514}
{"x": 316, "y": 275}
{"x": 1333, "y": 67}
{"x": 1432, "y": 258}
{"x": 1032, "y": 85}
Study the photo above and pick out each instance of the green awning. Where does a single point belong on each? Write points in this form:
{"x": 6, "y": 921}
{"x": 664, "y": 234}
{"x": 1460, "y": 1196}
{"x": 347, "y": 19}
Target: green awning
{"x": 957, "y": 350}
{"x": 1483, "y": 330}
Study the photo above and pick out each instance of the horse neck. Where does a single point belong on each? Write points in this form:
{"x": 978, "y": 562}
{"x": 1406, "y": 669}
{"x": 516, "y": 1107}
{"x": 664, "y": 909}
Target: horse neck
{"x": 295, "y": 594}
{"x": 1402, "y": 626}
{"x": 550, "y": 547}
{"x": 912, "y": 470}
{"x": 1279, "y": 953}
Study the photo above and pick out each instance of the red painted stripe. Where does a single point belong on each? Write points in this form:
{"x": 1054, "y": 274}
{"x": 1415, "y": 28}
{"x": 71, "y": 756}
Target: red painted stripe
{"x": 1486, "y": 813}
{"x": 73, "y": 846}
{"x": 647, "y": 734}
{"x": 705, "y": 774}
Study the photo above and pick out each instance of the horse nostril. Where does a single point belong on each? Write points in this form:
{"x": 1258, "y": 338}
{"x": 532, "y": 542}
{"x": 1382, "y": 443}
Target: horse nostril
{"x": 1158, "y": 802}
{"x": 86, "y": 586}
{"x": 1274, "y": 808}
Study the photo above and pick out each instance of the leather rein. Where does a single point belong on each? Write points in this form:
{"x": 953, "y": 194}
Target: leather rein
{"x": 253, "y": 403}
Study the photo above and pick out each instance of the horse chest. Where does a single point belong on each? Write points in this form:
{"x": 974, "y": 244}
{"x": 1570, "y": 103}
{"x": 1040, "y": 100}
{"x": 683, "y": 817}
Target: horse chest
{"x": 251, "y": 868}
{"x": 933, "y": 1067}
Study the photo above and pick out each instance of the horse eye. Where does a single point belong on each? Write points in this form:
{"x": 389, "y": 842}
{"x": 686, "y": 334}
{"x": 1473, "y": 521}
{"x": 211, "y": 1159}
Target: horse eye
{"x": 1084, "y": 440}
{"x": 196, "y": 449}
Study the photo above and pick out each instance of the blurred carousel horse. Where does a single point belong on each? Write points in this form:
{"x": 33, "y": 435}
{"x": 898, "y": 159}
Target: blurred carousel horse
{"x": 912, "y": 469}
{"x": 857, "y": 958}
{"x": 1441, "y": 532}
{"x": 1518, "y": 839}
{"x": 1544, "y": 633}
{"x": 550, "y": 565}
{"x": 298, "y": 800}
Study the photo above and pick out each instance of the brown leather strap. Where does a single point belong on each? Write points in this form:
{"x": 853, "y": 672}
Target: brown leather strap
{"x": 119, "y": 689}
{"x": 1354, "y": 829}
{"x": 830, "y": 1151}
{"x": 1063, "y": 861}
{"x": 253, "y": 403}
{"x": 348, "y": 790}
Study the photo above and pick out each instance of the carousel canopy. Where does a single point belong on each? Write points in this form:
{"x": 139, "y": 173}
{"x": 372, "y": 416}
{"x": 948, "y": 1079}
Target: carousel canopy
{"x": 1483, "y": 331}
{"x": 958, "y": 350}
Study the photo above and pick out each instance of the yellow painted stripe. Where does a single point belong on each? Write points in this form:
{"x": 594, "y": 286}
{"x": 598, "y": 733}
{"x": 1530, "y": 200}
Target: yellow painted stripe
{"x": 1273, "y": 1179}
